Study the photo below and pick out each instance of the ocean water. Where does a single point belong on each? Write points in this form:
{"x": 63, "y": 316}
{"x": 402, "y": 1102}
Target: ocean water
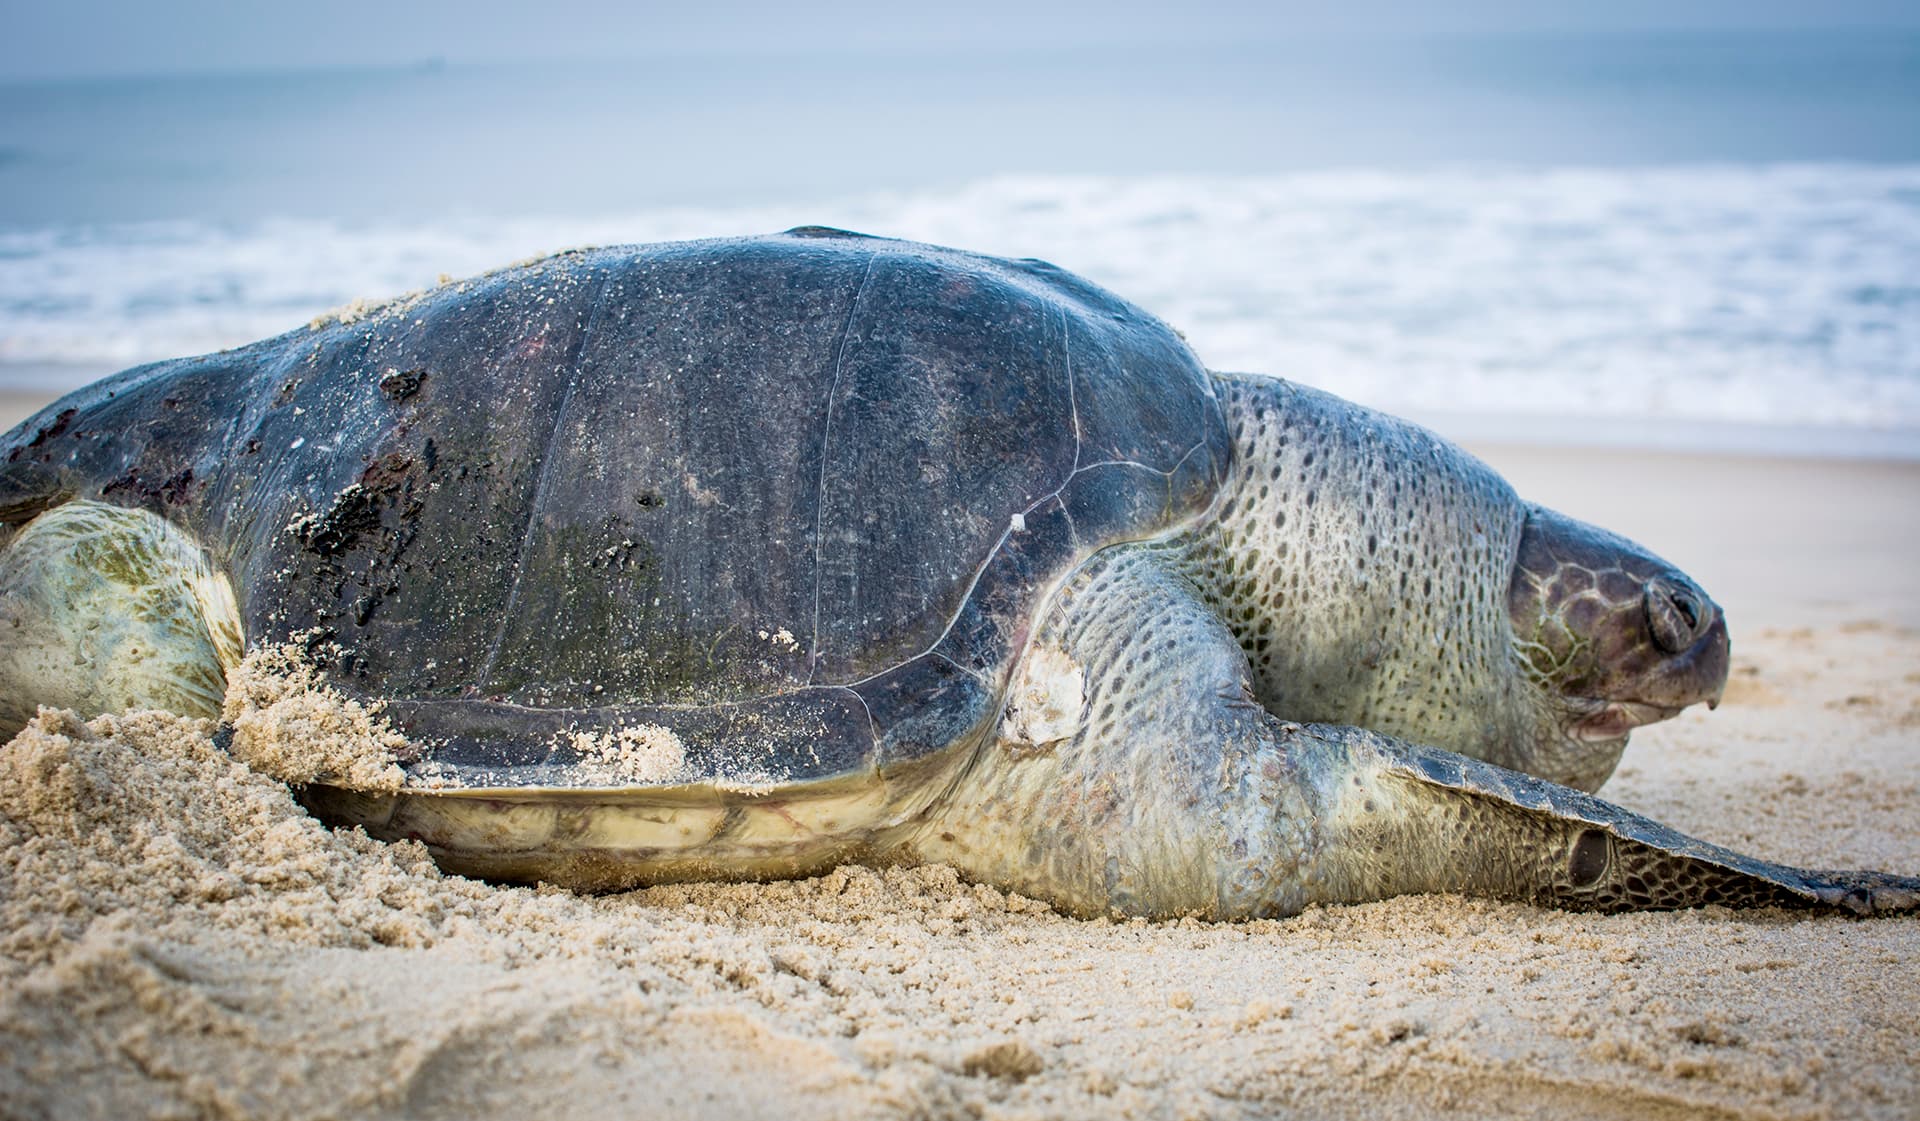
{"x": 1641, "y": 239}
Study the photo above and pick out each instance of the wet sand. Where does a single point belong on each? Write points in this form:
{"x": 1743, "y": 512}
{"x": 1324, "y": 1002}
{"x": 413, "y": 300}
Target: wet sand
{"x": 178, "y": 939}
{"x": 17, "y": 405}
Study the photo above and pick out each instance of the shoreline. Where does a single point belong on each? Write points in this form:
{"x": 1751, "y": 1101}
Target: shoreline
{"x": 24, "y": 390}
{"x": 1676, "y": 436}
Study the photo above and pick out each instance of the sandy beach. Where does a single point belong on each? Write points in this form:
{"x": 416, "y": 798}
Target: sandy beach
{"x": 179, "y": 939}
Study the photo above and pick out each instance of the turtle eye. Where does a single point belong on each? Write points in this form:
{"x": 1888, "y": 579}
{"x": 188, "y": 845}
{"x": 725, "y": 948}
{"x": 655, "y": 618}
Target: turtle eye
{"x": 1674, "y": 615}
{"x": 1689, "y": 611}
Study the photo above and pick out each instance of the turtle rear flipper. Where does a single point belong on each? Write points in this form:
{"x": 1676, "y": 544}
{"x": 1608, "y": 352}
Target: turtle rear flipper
{"x": 1412, "y": 818}
{"x": 104, "y": 609}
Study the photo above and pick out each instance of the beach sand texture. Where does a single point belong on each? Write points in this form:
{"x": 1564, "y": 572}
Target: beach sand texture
{"x": 179, "y": 939}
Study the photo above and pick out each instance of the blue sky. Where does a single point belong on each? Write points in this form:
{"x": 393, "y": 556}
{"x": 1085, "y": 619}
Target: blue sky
{"x": 58, "y": 38}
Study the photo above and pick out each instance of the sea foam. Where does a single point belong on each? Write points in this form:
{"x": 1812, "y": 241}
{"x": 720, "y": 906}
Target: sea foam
{"x": 1774, "y": 295}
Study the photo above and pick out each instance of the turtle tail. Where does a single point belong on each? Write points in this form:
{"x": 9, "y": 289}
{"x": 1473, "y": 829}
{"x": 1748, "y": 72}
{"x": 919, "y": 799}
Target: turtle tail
{"x": 1418, "y": 819}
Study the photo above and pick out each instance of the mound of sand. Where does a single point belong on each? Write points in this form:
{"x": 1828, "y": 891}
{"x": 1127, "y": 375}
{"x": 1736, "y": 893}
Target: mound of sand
{"x": 181, "y": 939}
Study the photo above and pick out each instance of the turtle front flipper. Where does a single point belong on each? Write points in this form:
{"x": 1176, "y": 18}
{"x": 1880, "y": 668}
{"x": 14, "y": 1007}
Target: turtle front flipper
{"x": 104, "y": 609}
{"x": 1418, "y": 819}
{"x": 1133, "y": 772}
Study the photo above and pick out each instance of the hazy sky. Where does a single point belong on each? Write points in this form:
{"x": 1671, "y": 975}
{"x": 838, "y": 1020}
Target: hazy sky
{"x": 50, "y": 38}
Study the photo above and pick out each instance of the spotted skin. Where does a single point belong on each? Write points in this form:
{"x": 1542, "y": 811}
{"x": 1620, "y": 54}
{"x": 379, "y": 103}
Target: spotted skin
{"x": 1226, "y": 756}
{"x": 1362, "y": 565}
{"x": 1179, "y": 795}
{"x": 1378, "y": 576}
{"x": 1170, "y": 796}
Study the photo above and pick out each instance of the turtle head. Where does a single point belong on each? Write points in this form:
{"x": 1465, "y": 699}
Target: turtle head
{"x": 1614, "y": 636}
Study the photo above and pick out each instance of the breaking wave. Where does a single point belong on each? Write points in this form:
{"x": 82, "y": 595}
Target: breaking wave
{"x": 1772, "y": 295}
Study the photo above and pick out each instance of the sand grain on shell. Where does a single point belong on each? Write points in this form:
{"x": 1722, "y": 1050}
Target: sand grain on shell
{"x": 639, "y": 755}
{"x": 180, "y": 939}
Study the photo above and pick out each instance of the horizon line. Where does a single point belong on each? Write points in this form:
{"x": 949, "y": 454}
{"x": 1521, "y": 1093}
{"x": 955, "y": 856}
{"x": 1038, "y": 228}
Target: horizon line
{"x": 432, "y": 63}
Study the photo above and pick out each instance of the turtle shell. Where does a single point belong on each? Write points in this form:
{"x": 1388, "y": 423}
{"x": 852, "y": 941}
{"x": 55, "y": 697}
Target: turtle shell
{"x": 794, "y": 498}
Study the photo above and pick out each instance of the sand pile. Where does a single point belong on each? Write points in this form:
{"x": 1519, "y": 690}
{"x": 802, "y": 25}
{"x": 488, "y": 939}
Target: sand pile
{"x": 289, "y": 723}
{"x": 178, "y": 938}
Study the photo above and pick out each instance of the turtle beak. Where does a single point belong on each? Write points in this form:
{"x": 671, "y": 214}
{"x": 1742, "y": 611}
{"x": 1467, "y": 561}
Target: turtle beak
{"x": 1691, "y": 630}
{"x": 1711, "y": 656}
{"x": 1615, "y": 719}
{"x": 1690, "y": 659}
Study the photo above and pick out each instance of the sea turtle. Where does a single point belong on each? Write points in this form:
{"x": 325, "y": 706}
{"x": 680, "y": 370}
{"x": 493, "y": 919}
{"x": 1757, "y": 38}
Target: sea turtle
{"x": 893, "y": 553}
